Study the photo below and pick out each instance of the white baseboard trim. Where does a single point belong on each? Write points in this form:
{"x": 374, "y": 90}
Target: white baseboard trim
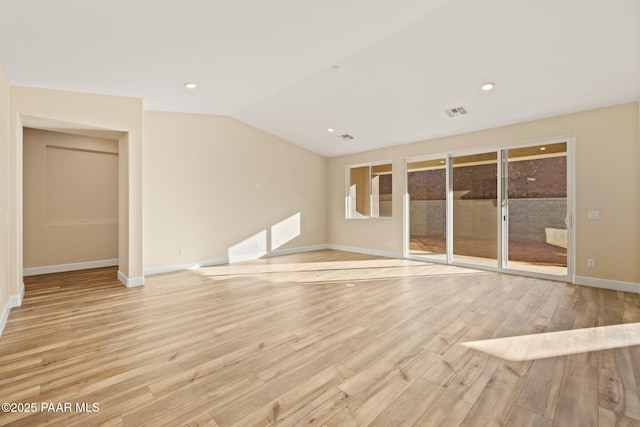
{"x": 246, "y": 257}
{"x": 20, "y": 297}
{"x": 13, "y": 301}
{"x": 33, "y": 271}
{"x": 608, "y": 284}
{"x": 150, "y": 271}
{"x": 281, "y": 252}
{"x": 366, "y": 251}
{"x": 5, "y": 315}
{"x": 130, "y": 282}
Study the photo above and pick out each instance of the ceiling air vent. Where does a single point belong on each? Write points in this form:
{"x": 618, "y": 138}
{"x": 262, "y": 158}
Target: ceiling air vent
{"x": 346, "y": 137}
{"x": 457, "y": 112}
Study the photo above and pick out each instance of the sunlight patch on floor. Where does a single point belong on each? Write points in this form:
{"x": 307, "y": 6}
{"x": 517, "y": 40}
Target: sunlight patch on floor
{"x": 335, "y": 270}
{"x": 561, "y": 343}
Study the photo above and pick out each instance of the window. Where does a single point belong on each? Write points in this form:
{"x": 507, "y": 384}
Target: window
{"x": 369, "y": 191}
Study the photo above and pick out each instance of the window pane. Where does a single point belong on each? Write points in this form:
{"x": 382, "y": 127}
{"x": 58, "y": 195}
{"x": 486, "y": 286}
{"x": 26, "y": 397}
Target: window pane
{"x": 381, "y": 191}
{"x": 537, "y": 208}
{"x": 475, "y": 208}
{"x": 359, "y": 192}
{"x": 427, "y": 188}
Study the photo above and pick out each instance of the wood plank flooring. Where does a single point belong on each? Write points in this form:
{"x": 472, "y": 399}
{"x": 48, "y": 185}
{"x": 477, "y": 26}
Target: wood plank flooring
{"x": 324, "y": 338}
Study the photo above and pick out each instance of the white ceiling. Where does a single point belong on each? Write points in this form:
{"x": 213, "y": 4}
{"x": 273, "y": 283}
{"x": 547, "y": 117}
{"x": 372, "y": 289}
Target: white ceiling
{"x": 268, "y": 63}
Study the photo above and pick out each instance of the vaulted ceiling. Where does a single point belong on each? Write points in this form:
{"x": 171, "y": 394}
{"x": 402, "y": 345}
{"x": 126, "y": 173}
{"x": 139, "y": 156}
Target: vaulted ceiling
{"x": 382, "y": 71}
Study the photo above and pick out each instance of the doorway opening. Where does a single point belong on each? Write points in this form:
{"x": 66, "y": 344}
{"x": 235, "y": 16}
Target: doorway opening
{"x": 70, "y": 201}
{"x": 126, "y": 259}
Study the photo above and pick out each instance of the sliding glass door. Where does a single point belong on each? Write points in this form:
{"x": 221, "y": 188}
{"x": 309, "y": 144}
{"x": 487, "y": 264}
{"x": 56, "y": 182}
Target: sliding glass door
{"x": 506, "y": 209}
{"x": 535, "y": 200}
{"x": 427, "y": 207}
{"x": 475, "y": 208}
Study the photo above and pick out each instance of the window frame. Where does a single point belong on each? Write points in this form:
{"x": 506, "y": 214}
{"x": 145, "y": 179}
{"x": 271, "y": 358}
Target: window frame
{"x": 349, "y": 201}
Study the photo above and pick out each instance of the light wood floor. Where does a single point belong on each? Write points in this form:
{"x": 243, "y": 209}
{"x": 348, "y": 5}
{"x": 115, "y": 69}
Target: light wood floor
{"x": 323, "y": 338}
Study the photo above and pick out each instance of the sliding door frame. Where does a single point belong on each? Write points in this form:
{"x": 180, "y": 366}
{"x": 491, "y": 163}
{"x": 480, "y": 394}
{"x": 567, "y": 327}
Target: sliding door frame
{"x": 569, "y": 219}
{"x": 407, "y": 204}
{"x": 450, "y": 207}
{"x": 502, "y": 224}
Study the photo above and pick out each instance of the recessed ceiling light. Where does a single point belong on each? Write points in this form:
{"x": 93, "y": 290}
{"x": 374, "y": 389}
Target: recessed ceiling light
{"x": 331, "y": 130}
{"x": 335, "y": 68}
{"x": 543, "y": 148}
{"x": 488, "y": 86}
{"x": 190, "y": 85}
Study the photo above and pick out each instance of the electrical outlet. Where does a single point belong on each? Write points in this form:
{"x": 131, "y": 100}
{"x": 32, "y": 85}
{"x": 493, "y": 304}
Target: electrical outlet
{"x": 181, "y": 252}
{"x": 591, "y": 263}
{"x": 593, "y": 214}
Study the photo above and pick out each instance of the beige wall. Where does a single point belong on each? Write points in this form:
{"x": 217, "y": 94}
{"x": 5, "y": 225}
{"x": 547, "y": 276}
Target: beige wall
{"x": 219, "y": 188}
{"x": 4, "y": 195}
{"x": 73, "y": 110}
{"x": 201, "y": 175}
{"x": 606, "y": 175}
{"x": 70, "y": 198}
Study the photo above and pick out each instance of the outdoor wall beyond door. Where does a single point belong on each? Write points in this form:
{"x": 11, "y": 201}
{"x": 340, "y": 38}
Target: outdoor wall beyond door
{"x": 70, "y": 199}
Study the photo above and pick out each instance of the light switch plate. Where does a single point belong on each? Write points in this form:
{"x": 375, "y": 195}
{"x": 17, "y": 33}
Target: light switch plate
{"x": 593, "y": 215}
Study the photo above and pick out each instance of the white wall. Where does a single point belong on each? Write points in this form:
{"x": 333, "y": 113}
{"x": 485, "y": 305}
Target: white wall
{"x": 221, "y": 189}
